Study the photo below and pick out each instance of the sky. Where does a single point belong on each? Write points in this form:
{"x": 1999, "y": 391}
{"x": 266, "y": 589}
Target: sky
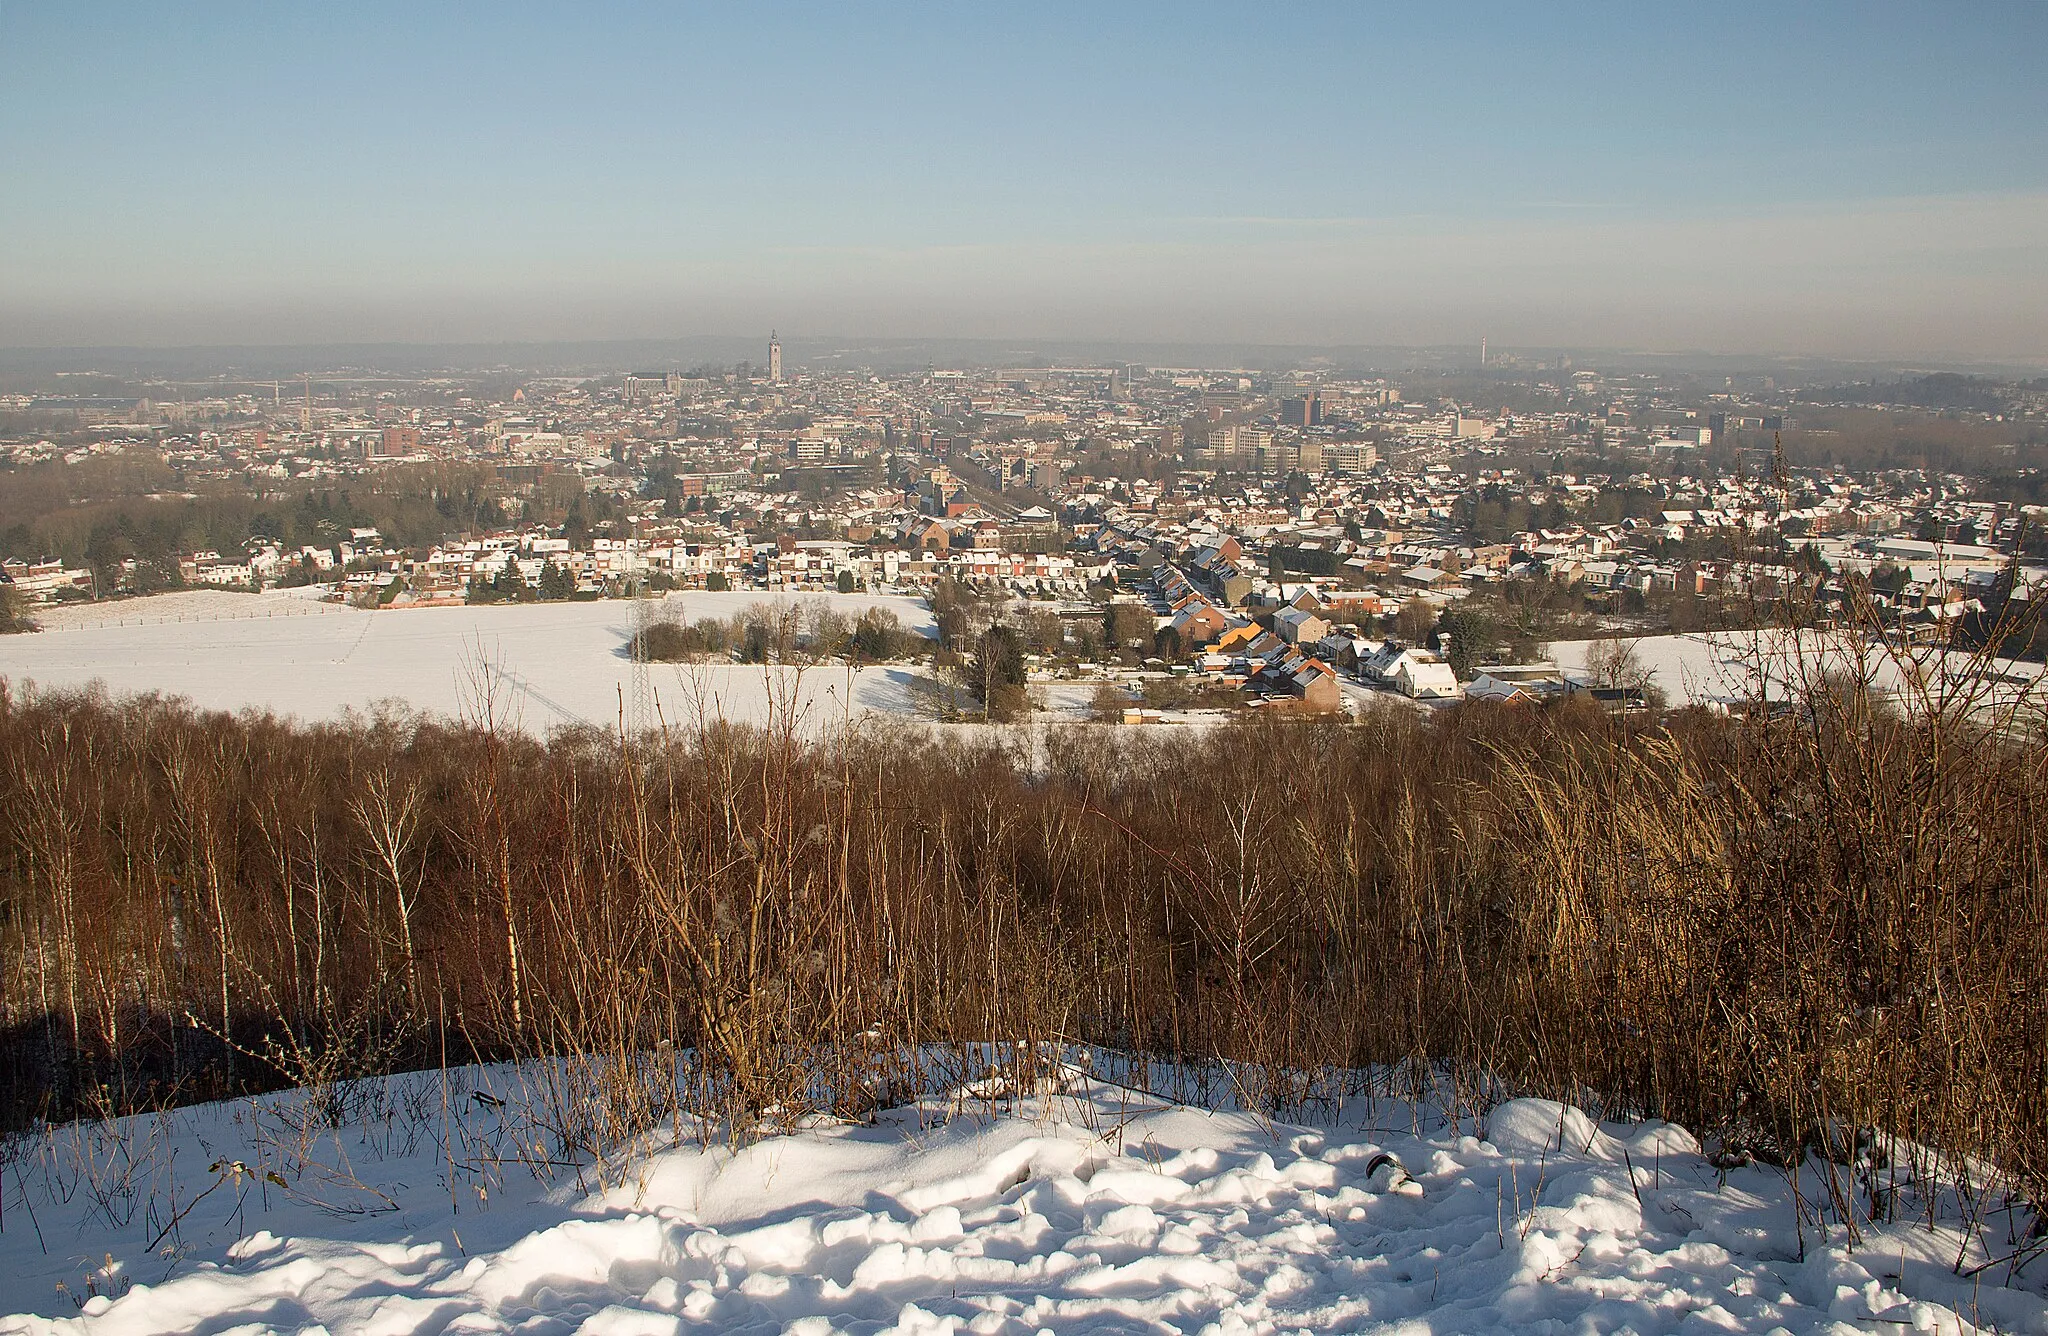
{"x": 1852, "y": 180}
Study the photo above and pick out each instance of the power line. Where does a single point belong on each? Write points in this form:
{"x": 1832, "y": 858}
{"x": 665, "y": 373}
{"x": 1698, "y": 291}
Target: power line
{"x": 640, "y": 618}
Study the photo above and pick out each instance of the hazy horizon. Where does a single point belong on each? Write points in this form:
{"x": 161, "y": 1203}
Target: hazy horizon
{"x": 600, "y": 357}
{"x": 1856, "y": 182}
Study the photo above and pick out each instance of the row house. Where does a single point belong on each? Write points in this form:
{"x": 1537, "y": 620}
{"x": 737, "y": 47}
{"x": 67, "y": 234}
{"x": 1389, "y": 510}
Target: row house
{"x": 43, "y": 581}
{"x": 693, "y": 564}
{"x": 207, "y": 568}
{"x": 1299, "y": 626}
{"x": 1290, "y": 673}
{"x": 810, "y": 562}
{"x": 979, "y": 564}
{"x": 1218, "y": 569}
{"x": 1192, "y": 615}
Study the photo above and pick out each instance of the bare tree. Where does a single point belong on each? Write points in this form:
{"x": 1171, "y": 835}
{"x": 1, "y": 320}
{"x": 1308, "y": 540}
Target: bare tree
{"x": 389, "y": 811}
{"x": 487, "y": 710}
{"x": 1617, "y": 665}
{"x": 50, "y": 827}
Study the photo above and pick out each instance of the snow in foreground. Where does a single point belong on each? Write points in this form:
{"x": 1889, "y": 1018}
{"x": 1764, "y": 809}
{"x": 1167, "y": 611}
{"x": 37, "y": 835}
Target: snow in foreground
{"x": 1096, "y": 1211}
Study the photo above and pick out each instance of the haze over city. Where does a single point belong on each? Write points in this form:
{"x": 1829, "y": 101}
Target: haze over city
{"x": 1863, "y": 181}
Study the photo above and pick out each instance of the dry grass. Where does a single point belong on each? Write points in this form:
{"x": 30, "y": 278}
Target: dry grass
{"x": 1774, "y": 928}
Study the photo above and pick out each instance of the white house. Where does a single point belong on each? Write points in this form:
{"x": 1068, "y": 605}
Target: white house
{"x": 1381, "y": 664}
{"x": 1525, "y": 682}
{"x": 1425, "y": 676}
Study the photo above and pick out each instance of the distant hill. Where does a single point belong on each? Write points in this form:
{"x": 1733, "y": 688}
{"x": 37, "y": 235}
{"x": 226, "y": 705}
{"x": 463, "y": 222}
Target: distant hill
{"x": 1943, "y": 390}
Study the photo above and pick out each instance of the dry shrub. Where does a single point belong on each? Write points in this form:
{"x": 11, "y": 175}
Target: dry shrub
{"x": 1764, "y": 926}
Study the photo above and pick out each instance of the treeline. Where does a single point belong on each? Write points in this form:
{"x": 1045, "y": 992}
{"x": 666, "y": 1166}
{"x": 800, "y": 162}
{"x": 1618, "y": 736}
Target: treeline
{"x": 1855, "y": 438}
{"x": 810, "y": 631}
{"x": 1940, "y": 391}
{"x": 132, "y": 508}
{"x": 1769, "y": 928}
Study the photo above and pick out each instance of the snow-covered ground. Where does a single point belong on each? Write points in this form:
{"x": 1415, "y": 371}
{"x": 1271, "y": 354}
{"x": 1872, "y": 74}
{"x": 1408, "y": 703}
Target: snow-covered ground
{"x": 432, "y": 1210}
{"x": 187, "y": 605}
{"x": 1735, "y": 667}
{"x": 556, "y": 663}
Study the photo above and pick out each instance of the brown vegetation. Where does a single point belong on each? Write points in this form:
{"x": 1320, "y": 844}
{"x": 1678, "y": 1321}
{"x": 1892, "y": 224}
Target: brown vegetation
{"x": 1764, "y": 927}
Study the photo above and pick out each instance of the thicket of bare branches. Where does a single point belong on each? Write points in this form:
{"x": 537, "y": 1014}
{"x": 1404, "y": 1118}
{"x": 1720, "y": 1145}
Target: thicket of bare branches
{"x": 1770, "y": 927}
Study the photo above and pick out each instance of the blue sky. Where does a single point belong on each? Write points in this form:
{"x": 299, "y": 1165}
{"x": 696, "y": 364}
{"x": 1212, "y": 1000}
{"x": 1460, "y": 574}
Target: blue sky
{"x": 1857, "y": 179}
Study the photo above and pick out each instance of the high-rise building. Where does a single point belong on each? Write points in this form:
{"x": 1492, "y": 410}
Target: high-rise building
{"x": 774, "y": 359}
{"x": 1306, "y": 411}
{"x": 1350, "y": 457}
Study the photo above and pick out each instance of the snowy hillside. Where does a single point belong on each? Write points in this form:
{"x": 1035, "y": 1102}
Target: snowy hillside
{"x": 442, "y": 1207}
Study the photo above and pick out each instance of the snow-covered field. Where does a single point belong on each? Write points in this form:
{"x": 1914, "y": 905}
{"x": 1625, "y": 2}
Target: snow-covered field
{"x": 1735, "y": 667}
{"x": 556, "y": 663}
{"x": 431, "y": 1210}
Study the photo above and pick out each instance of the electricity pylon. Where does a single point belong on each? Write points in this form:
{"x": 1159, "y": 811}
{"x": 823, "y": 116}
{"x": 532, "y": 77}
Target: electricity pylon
{"x": 640, "y": 703}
